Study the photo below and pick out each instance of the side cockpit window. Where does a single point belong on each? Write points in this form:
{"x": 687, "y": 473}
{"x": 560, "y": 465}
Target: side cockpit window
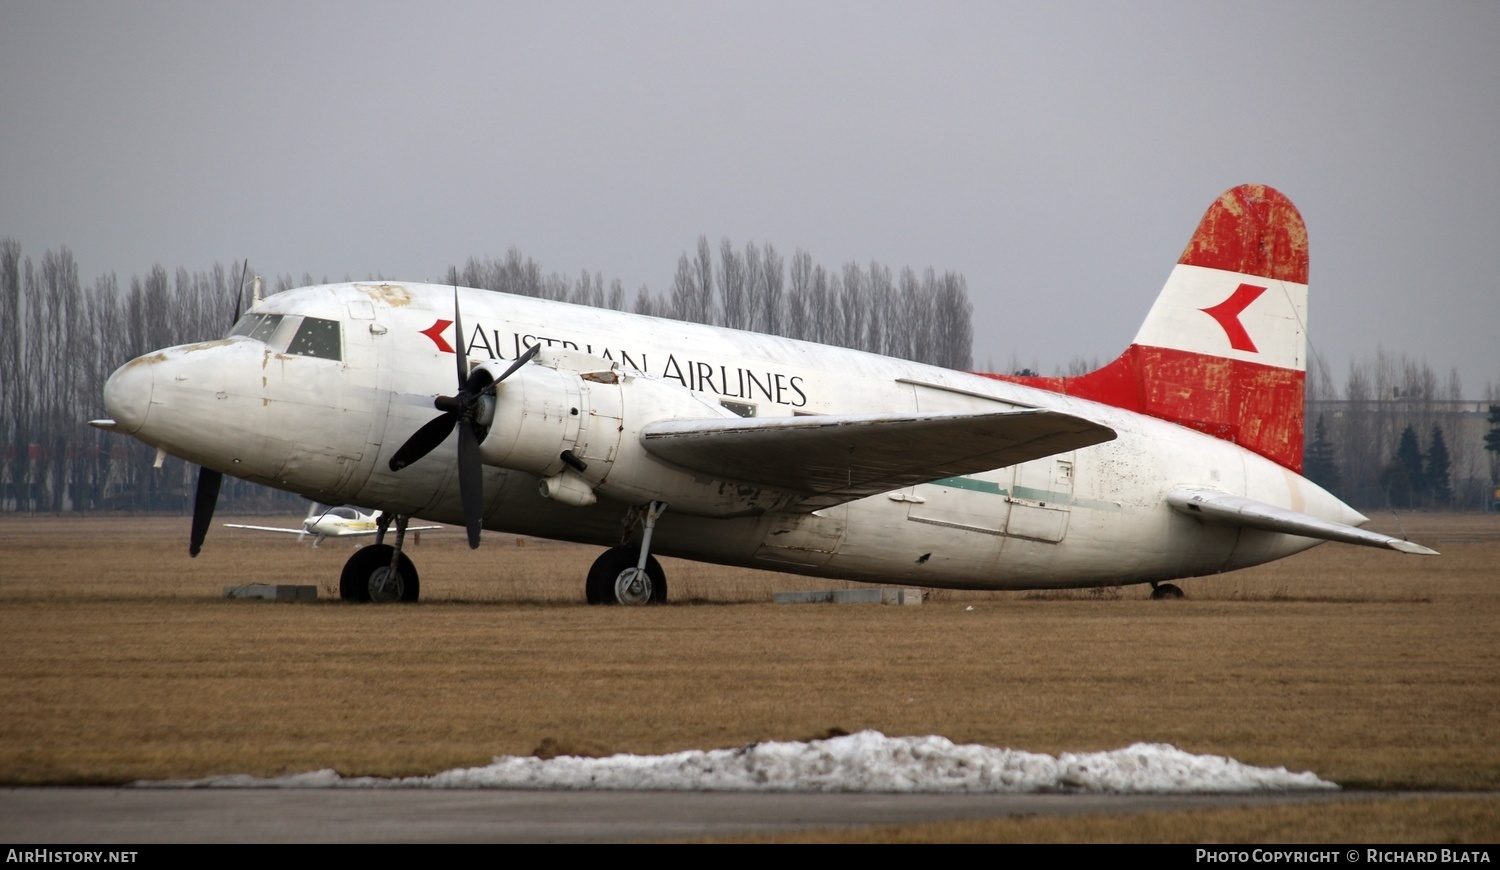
{"x": 257, "y": 326}
{"x": 294, "y": 334}
{"x": 317, "y": 337}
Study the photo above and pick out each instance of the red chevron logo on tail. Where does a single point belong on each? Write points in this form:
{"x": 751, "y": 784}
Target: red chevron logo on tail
{"x": 1227, "y": 313}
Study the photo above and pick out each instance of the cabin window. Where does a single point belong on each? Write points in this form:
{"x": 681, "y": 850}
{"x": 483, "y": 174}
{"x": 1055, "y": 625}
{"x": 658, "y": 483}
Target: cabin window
{"x": 317, "y": 337}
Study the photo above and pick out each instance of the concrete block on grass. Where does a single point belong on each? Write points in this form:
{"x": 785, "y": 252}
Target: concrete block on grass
{"x": 272, "y": 592}
{"x": 874, "y": 595}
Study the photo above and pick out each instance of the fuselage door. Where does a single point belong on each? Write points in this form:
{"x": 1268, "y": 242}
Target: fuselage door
{"x": 974, "y": 502}
{"x": 1041, "y": 498}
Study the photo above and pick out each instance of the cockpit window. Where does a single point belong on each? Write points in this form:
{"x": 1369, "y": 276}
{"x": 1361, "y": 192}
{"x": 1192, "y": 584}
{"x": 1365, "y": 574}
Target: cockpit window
{"x": 294, "y": 334}
{"x": 257, "y": 326}
{"x": 317, "y": 337}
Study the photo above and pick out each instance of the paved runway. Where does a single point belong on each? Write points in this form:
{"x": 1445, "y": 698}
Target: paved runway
{"x": 120, "y": 815}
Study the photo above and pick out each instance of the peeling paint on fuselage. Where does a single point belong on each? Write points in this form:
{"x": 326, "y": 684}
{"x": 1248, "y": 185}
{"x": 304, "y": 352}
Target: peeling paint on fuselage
{"x": 392, "y": 295}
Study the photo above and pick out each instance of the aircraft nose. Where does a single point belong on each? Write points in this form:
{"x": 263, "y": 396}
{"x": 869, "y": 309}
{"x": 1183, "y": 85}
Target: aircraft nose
{"x": 127, "y": 394}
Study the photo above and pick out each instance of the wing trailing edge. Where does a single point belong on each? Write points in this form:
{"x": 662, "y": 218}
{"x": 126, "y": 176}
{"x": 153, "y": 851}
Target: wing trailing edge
{"x": 1219, "y": 507}
{"x": 838, "y": 458}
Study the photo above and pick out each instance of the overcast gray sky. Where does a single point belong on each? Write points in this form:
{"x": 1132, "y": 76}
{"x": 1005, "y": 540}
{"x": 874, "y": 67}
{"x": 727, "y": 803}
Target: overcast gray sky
{"x": 1059, "y": 155}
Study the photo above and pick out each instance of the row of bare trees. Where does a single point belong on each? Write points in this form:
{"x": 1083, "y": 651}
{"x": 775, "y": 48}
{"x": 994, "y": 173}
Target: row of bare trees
{"x": 60, "y": 338}
{"x": 924, "y": 317}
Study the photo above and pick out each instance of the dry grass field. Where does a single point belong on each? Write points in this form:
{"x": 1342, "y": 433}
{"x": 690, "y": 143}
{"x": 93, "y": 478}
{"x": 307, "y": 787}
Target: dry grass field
{"x": 123, "y": 661}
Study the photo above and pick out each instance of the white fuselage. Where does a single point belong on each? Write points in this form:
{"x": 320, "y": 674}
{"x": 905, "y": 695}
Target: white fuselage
{"x": 326, "y": 427}
{"x": 340, "y": 523}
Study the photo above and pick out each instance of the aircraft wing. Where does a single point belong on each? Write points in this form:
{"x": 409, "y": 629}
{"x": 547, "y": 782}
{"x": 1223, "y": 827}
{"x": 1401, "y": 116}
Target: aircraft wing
{"x": 267, "y": 529}
{"x": 838, "y": 458}
{"x": 1219, "y": 507}
{"x": 358, "y": 532}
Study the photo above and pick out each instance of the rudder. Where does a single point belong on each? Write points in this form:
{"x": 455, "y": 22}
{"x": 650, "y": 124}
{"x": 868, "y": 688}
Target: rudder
{"x": 1224, "y": 348}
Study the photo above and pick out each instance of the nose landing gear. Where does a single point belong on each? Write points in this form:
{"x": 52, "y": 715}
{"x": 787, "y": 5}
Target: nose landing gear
{"x": 381, "y": 573}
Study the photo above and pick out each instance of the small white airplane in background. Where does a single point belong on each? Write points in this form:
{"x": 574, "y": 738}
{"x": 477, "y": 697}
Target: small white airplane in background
{"x": 1179, "y": 459}
{"x": 331, "y": 522}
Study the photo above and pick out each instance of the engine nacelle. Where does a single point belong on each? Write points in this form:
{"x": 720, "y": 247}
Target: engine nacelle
{"x": 574, "y": 420}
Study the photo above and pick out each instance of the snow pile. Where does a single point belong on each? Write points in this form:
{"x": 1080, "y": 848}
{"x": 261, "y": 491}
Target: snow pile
{"x": 865, "y": 762}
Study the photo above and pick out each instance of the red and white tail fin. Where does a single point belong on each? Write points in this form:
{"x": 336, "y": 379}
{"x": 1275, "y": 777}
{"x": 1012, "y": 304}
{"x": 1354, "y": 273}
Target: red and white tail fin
{"x": 1224, "y": 349}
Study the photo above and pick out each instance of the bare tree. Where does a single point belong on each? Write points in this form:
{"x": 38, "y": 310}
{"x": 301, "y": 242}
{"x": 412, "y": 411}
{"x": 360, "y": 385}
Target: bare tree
{"x": 799, "y": 296}
{"x": 732, "y": 287}
{"x": 684, "y": 302}
{"x": 772, "y": 302}
{"x": 852, "y": 306}
{"x": 13, "y": 386}
{"x": 705, "y": 265}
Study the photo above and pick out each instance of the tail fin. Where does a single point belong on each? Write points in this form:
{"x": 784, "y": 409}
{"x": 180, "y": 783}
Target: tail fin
{"x": 1224, "y": 349}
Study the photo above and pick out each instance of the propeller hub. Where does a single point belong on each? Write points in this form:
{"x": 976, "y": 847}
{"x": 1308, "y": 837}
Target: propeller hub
{"x": 127, "y": 395}
{"x": 484, "y": 413}
{"x": 470, "y": 413}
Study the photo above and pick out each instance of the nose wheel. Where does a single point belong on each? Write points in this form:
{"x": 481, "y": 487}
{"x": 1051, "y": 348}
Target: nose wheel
{"x": 369, "y": 578}
{"x": 380, "y": 573}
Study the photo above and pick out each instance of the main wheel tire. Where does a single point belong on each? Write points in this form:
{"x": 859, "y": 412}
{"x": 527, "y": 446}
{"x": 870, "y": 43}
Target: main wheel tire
{"x": 1166, "y": 592}
{"x": 612, "y": 579}
{"x": 367, "y": 577}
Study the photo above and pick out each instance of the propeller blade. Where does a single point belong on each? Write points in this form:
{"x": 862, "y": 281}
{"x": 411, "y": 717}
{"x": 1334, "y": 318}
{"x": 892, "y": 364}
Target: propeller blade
{"x": 422, "y": 442}
{"x": 203, "y": 506}
{"x": 460, "y": 346}
{"x": 470, "y": 481}
{"x": 239, "y": 293}
{"x": 521, "y": 360}
{"x": 460, "y": 411}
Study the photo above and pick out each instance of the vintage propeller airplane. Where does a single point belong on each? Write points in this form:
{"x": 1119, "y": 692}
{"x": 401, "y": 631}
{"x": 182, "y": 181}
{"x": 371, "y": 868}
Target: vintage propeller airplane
{"x": 331, "y": 522}
{"x": 1181, "y": 458}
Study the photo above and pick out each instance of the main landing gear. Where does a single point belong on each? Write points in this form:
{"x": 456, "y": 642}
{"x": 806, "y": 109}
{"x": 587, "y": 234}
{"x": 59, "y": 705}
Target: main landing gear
{"x": 1165, "y": 591}
{"x": 630, "y": 575}
{"x": 381, "y": 573}
{"x": 621, "y": 575}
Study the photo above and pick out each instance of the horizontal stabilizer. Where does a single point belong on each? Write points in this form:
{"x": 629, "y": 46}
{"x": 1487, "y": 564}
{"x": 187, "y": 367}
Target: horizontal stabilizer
{"x": 833, "y": 459}
{"x": 1219, "y": 507}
